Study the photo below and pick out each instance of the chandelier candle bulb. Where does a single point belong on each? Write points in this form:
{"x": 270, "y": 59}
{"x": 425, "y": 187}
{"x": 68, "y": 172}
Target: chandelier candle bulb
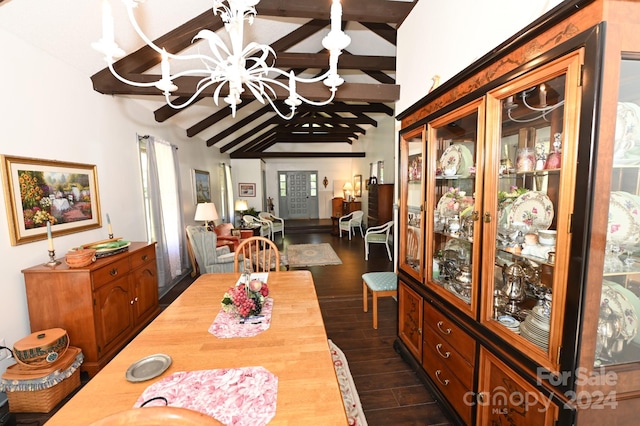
{"x": 336, "y": 16}
{"x": 109, "y": 225}
{"x": 543, "y": 95}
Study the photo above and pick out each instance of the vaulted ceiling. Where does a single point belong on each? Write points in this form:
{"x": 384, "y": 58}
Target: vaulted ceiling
{"x": 366, "y": 97}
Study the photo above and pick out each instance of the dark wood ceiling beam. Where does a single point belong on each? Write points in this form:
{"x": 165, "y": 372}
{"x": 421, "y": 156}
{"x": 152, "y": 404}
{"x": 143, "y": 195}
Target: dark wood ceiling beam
{"x": 345, "y": 62}
{"x": 258, "y": 144}
{"x": 352, "y": 10}
{"x": 252, "y": 154}
{"x": 358, "y": 108}
{"x": 295, "y": 138}
{"x": 238, "y": 125}
{"x": 363, "y": 92}
{"x": 254, "y": 130}
{"x": 210, "y": 120}
{"x": 319, "y": 131}
{"x": 384, "y": 30}
{"x": 166, "y": 112}
{"x": 380, "y": 77}
{"x": 296, "y": 36}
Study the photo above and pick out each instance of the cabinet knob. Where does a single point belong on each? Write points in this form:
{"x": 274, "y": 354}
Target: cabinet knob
{"x": 135, "y": 299}
{"x": 145, "y": 257}
{"x": 131, "y": 302}
{"x": 443, "y": 355}
{"x": 487, "y": 217}
{"x": 475, "y": 215}
{"x": 440, "y": 324}
{"x": 480, "y": 398}
{"x": 444, "y": 382}
{"x": 113, "y": 272}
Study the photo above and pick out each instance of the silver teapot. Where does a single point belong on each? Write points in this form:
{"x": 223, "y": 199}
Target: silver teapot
{"x": 513, "y": 277}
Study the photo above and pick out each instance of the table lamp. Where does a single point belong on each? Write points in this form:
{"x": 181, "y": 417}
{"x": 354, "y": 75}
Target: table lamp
{"x": 206, "y": 212}
{"x": 241, "y": 206}
{"x": 347, "y": 188}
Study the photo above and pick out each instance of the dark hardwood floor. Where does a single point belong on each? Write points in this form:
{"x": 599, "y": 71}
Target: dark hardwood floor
{"x": 390, "y": 392}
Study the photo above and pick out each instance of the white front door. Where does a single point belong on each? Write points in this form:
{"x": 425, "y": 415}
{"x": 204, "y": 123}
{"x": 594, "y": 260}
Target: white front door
{"x": 298, "y": 194}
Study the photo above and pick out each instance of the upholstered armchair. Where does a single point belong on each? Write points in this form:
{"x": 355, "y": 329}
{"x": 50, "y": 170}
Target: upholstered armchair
{"x": 351, "y": 221}
{"x": 223, "y": 231}
{"x": 277, "y": 223}
{"x": 209, "y": 258}
{"x": 252, "y": 221}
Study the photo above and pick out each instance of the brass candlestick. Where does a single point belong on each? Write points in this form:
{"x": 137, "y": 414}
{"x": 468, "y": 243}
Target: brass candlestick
{"x": 52, "y": 259}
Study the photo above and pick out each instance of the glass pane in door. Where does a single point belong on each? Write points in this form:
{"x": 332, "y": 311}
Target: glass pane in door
{"x": 618, "y": 340}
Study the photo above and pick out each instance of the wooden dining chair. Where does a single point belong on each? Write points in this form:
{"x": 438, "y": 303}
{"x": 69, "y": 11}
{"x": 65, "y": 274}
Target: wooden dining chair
{"x": 257, "y": 254}
{"x": 154, "y": 416}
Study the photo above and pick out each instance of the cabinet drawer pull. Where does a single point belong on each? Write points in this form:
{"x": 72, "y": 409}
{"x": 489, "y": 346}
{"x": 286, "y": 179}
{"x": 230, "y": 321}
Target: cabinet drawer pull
{"x": 444, "y": 382}
{"x": 145, "y": 257}
{"x": 447, "y": 331}
{"x": 447, "y": 354}
{"x": 113, "y": 272}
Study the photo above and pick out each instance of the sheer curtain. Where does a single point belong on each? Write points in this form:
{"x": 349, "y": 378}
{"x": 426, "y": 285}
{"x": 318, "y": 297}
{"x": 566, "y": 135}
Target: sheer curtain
{"x": 227, "y": 191}
{"x": 163, "y": 205}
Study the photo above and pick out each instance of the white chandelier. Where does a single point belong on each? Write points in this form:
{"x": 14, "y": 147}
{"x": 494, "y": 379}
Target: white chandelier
{"x": 238, "y": 67}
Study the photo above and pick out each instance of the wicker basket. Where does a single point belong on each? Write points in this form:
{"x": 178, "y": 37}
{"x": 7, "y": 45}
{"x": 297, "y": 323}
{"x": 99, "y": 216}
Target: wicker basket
{"x": 45, "y": 400}
{"x": 39, "y": 390}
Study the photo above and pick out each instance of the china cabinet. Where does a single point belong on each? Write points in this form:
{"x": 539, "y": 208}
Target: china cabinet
{"x": 101, "y": 306}
{"x": 520, "y": 225}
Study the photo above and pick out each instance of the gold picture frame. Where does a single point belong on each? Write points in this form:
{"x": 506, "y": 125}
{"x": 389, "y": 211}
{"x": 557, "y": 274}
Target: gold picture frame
{"x": 37, "y": 191}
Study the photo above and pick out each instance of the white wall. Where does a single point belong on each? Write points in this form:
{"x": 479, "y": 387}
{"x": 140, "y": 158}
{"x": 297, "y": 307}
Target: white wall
{"x": 50, "y": 111}
{"x": 444, "y": 38}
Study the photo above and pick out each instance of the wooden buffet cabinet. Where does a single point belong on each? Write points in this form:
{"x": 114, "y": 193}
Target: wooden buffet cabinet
{"x": 102, "y": 306}
{"x": 519, "y": 266}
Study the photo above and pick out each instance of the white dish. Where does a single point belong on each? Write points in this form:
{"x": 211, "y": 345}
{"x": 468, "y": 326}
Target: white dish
{"x": 621, "y": 227}
{"x": 147, "y": 368}
{"x": 547, "y": 237}
{"x": 450, "y": 159}
{"x": 508, "y": 321}
{"x": 631, "y": 296}
{"x": 623, "y": 308}
{"x": 532, "y": 208}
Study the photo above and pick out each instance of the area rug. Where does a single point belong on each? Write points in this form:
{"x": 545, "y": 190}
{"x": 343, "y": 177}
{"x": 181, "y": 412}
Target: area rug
{"x": 352, "y": 405}
{"x": 312, "y": 255}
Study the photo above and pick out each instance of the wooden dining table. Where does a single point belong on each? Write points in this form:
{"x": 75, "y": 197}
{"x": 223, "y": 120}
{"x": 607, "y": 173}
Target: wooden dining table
{"x": 294, "y": 348}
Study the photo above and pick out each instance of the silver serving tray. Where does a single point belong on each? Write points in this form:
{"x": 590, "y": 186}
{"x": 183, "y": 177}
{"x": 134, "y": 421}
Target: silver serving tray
{"x": 147, "y": 368}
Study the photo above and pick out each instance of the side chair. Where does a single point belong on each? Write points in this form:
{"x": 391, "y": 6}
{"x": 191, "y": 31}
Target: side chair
{"x": 350, "y": 221}
{"x": 276, "y": 223}
{"x": 209, "y": 258}
{"x": 257, "y": 254}
{"x": 265, "y": 227}
{"x": 380, "y": 234}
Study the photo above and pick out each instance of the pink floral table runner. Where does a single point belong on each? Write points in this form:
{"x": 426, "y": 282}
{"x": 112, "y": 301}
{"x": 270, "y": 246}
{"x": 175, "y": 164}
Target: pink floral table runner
{"x": 234, "y": 396}
{"x": 227, "y": 325}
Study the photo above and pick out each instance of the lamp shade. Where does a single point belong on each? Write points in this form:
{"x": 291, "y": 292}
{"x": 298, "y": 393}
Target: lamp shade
{"x": 347, "y": 186}
{"x": 241, "y": 205}
{"x": 206, "y": 212}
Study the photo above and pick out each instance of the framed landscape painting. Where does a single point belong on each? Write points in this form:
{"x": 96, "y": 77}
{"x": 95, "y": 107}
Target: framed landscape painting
{"x": 40, "y": 191}
{"x": 247, "y": 189}
{"x": 202, "y": 185}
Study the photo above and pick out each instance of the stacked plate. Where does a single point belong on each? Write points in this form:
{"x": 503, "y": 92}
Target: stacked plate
{"x": 510, "y": 322}
{"x": 535, "y": 328}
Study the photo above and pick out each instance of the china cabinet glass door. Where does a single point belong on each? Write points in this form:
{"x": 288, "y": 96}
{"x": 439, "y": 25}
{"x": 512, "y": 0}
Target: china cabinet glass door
{"x": 411, "y": 202}
{"x": 453, "y": 188}
{"x": 529, "y": 189}
{"x": 618, "y": 340}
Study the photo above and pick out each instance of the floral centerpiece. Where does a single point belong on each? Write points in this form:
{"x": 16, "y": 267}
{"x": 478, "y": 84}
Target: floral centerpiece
{"x": 245, "y": 300}
{"x": 455, "y": 202}
{"x": 506, "y": 198}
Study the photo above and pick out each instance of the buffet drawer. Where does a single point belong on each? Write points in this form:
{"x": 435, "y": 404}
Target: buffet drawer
{"x": 460, "y": 396}
{"x": 448, "y": 355}
{"x": 143, "y": 256}
{"x": 110, "y": 272}
{"x": 446, "y": 329}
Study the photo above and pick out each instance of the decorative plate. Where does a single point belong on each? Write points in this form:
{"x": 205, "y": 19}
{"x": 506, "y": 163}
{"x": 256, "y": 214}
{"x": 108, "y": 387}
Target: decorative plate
{"x": 621, "y": 227}
{"x": 466, "y": 160}
{"x": 533, "y": 208}
{"x": 631, "y": 296}
{"x": 147, "y": 368}
{"x": 622, "y": 307}
{"x": 627, "y": 129}
{"x": 451, "y": 157}
{"x": 630, "y": 202}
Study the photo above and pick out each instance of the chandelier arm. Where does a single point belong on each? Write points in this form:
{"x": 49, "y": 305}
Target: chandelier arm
{"x": 192, "y": 98}
{"x": 544, "y": 109}
{"x": 129, "y": 82}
